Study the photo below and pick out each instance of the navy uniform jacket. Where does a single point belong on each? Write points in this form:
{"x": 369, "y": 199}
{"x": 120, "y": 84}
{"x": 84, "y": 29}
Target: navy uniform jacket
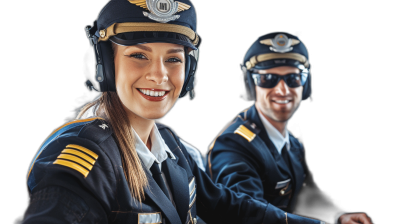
{"x": 244, "y": 159}
{"x": 77, "y": 177}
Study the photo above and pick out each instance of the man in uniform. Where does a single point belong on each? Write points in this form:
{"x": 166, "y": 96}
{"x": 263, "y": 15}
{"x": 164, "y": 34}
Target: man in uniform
{"x": 256, "y": 154}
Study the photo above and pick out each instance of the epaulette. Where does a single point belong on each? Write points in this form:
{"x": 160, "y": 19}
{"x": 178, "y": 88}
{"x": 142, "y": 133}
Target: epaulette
{"x": 224, "y": 129}
{"x": 77, "y": 149}
{"x": 245, "y": 133}
{"x": 82, "y": 158}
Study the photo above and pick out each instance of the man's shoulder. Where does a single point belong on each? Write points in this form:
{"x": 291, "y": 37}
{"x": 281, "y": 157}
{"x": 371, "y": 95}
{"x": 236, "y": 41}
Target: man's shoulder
{"x": 241, "y": 129}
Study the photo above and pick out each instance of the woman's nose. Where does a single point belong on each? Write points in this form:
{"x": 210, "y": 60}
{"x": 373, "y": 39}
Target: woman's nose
{"x": 158, "y": 73}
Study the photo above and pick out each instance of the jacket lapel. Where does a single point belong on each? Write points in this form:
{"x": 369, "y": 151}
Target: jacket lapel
{"x": 178, "y": 183}
{"x": 158, "y": 196}
{"x": 297, "y": 169}
{"x": 253, "y": 116}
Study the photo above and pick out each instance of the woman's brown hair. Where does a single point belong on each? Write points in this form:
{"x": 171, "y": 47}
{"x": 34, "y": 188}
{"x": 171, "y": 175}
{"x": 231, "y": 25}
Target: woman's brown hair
{"x": 109, "y": 107}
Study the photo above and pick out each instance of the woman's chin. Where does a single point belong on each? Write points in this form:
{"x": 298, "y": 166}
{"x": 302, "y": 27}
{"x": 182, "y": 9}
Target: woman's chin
{"x": 151, "y": 115}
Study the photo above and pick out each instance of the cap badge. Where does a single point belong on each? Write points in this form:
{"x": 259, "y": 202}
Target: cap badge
{"x": 161, "y": 11}
{"x": 281, "y": 43}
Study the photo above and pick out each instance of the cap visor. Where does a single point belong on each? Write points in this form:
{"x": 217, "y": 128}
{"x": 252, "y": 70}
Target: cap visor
{"x": 277, "y": 63}
{"x": 133, "y": 38}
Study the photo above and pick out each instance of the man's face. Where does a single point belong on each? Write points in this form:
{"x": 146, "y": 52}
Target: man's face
{"x": 280, "y": 102}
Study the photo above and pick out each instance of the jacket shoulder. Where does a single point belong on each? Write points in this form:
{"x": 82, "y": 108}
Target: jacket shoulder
{"x": 74, "y": 148}
{"x": 237, "y": 129}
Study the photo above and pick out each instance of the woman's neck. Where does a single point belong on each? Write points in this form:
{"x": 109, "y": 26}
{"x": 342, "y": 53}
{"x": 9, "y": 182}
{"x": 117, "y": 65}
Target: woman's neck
{"x": 142, "y": 127}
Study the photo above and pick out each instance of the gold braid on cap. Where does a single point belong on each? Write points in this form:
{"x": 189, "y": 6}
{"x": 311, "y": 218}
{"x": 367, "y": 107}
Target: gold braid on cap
{"x": 270, "y": 56}
{"x": 118, "y": 28}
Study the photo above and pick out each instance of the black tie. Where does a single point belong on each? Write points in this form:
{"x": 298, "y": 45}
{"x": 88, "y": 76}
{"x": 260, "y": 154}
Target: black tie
{"x": 155, "y": 170}
{"x": 285, "y": 155}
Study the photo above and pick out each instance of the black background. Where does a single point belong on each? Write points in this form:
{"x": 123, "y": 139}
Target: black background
{"x": 340, "y": 128}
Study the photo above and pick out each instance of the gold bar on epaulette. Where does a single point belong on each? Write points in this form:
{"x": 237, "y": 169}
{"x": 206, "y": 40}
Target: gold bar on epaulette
{"x": 245, "y": 133}
{"x": 83, "y": 149}
{"x": 76, "y": 160}
{"x": 72, "y": 165}
{"x": 80, "y": 154}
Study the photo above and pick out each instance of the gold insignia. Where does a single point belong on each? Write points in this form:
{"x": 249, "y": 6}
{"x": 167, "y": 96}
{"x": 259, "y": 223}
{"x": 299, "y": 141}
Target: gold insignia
{"x": 266, "y": 42}
{"x": 102, "y": 33}
{"x": 142, "y": 3}
{"x": 182, "y": 6}
{"x": 78, "y": 158}
{"x": 245, "y": 133}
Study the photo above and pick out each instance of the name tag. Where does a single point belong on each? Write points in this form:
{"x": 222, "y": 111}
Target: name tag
{"x": 282, "y": 184}
{"x": 145, "y": 218}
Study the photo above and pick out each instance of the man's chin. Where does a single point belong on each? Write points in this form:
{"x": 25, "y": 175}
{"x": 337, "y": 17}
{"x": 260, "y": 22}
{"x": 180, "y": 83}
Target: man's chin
{"x": 281, "y": 117}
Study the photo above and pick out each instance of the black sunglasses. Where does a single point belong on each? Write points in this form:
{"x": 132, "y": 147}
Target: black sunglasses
{"x": 269, "y": 80}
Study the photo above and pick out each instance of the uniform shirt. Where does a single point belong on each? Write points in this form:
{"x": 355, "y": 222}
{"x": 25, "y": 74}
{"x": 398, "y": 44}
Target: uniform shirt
{"x": 158, "y": 153}
{"x": 274, "y": 135}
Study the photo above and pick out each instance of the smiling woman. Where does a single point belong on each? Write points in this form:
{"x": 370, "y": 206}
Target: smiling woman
{"x": 149, "y": 77}
{"x": 120, "y": 166}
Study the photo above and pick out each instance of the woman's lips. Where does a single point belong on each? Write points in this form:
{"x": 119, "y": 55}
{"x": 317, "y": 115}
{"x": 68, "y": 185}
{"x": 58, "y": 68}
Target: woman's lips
{"x": 153, "y": 94}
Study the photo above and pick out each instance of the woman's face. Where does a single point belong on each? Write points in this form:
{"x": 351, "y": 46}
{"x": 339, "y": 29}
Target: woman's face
{"x": 149, "y": 77}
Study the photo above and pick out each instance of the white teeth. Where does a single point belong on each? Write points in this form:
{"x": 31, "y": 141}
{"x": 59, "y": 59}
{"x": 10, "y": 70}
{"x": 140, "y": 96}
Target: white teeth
{"x": 282, "y": 101}
{"x": 152, "y": 93}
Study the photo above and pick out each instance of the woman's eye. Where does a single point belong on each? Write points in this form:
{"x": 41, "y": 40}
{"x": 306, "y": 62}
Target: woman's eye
{"x": 138, "y": 56}
{"x": 174, "y": 60}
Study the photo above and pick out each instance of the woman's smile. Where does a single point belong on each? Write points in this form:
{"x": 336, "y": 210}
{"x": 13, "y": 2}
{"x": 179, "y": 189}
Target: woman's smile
{"x": 153, "y": 94}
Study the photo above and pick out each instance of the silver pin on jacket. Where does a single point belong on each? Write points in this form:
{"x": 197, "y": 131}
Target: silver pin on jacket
{"x": 104, "y": 126}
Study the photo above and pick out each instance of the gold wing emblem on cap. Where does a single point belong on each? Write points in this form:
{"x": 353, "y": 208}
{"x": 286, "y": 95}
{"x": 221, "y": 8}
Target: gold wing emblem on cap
{"x": 269, "y": 42}
{"x": 142, "y": 3}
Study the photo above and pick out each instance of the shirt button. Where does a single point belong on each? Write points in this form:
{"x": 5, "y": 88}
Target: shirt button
{"x": 282, "y": 192}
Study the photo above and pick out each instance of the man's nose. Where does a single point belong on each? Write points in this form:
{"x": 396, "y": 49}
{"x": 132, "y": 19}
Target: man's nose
{"x": 158, "y": 73}
{"x": 281, "y": 88}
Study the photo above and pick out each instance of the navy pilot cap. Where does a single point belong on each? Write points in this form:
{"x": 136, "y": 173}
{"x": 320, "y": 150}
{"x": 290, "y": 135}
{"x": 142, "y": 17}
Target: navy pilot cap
{"x": 130, "y": 22}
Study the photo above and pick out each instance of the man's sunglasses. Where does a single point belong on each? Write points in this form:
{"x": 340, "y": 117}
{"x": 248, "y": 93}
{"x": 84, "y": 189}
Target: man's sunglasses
{"x": 269, "y": 80}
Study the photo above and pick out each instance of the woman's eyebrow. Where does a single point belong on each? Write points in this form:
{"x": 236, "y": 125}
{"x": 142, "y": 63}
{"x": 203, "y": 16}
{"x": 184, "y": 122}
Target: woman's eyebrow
{"x": 175, "y": 50}
{"x": 145, "y": 48}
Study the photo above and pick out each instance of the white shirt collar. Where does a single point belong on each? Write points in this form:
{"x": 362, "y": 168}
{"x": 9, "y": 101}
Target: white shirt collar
{"x": 158, "y": 151}
{"x": 274, "y": 135}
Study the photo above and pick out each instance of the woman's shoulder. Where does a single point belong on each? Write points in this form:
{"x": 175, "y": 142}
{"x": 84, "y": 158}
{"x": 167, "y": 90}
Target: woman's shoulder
{"x": 76, "y": 147}
{"x": 95, "y": 129}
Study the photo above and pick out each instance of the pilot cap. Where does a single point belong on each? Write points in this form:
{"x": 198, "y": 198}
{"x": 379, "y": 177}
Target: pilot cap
{"x": 277, "y": 49}
{"x": 130, "y": 22}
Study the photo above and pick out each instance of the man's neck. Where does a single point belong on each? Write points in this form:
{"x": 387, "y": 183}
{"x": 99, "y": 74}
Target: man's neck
{"x": 279, "y": 125}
